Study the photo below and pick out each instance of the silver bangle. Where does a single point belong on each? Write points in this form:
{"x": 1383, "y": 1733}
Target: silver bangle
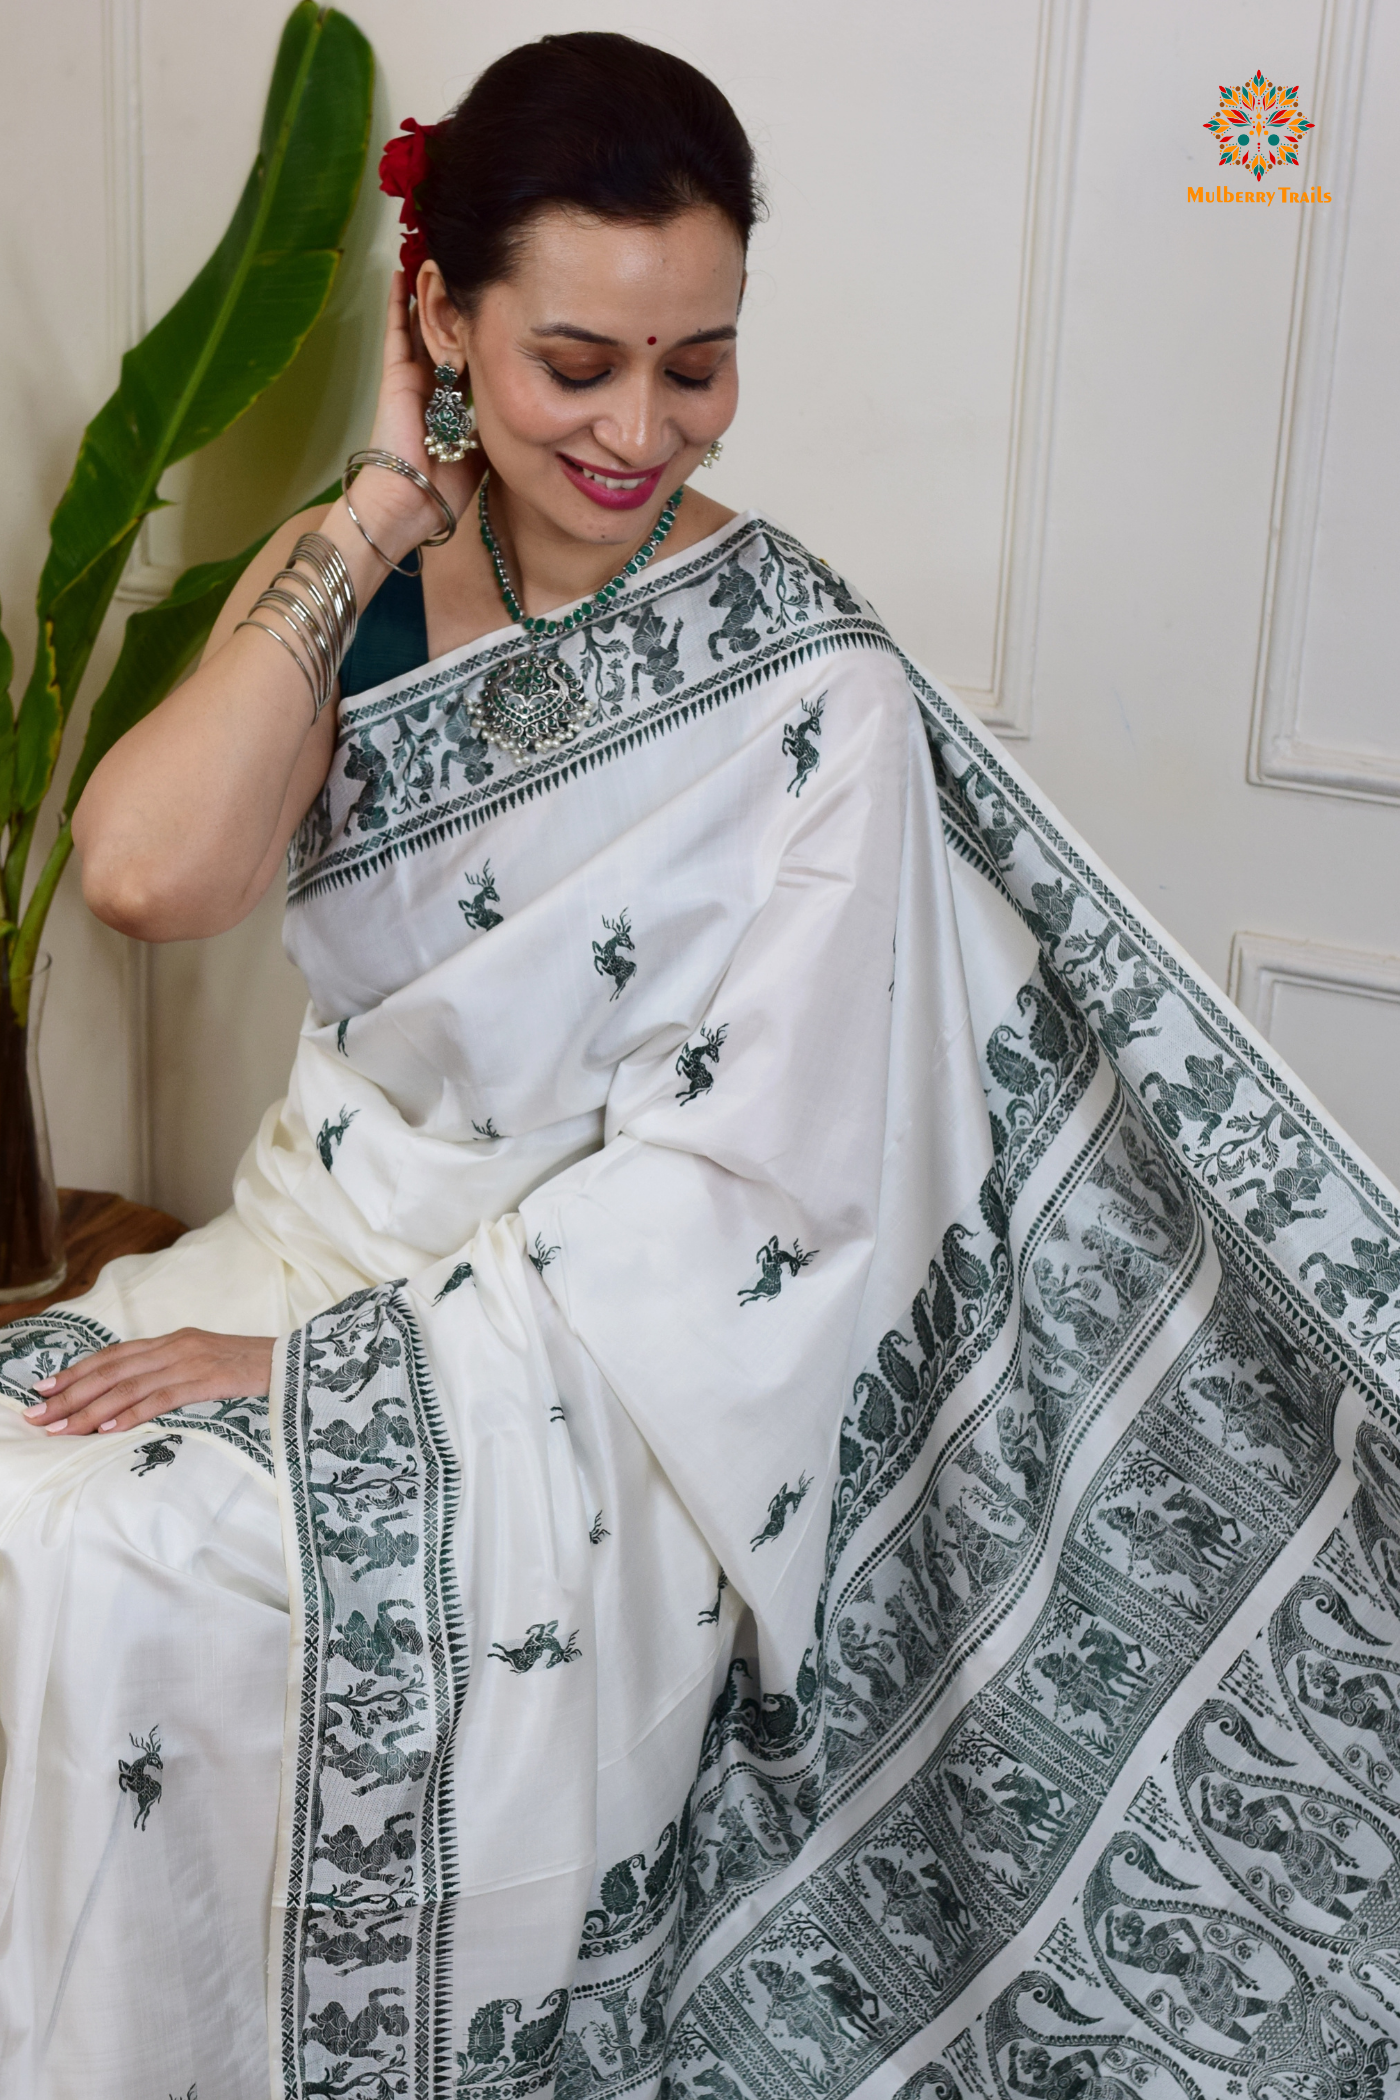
{"x": 392, "y": 463}
{"x": 399, "y": 568}
{"x": 282, "y": 640}
{"x": 329, "y": 607}
{"x": 324, "y": 557}
{"x": 314, "y": 598}
{"x": 305, "y": 624}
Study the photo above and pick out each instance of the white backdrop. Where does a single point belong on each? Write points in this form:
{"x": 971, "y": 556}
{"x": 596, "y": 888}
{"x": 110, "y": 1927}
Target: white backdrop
{"x": 1112, "y": 463}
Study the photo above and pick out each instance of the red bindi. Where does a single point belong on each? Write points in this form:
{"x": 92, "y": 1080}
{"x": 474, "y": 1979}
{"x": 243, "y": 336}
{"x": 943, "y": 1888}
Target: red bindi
{"x": 651, "y": 339}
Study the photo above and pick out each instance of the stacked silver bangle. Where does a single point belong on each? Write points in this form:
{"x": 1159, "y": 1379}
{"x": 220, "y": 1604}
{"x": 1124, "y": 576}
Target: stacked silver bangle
{"x": 314, "y": 596}
{"x": 314, "y": 599}
{"x": 392, "y": 464}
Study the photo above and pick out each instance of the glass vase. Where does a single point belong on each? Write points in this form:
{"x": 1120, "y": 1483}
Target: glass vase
{"x": 32, "y": 1261}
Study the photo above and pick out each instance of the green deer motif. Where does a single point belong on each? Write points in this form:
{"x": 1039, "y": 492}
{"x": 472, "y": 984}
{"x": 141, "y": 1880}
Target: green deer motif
{"x": 690, "y": 1065}
{"x": 541, "y": 1641}
{"x": 772, "y": 1259}
{"x": 779, "y": 1509}
{"x": 607, "y": 960}
{"x": 797, "y": 742}
{"x": 540, "y": 1255}
{"x": 476, "y": 909}
{"x": 330, "y": 1135}
{"x": 137, "y": 1776}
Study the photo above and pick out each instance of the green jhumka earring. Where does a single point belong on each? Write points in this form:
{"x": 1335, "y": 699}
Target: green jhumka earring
{"x": 450, "y": 421}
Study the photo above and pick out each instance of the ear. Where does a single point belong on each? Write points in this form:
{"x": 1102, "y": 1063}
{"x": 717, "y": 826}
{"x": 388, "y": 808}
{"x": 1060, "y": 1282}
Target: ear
{"x": 442, "y": 324}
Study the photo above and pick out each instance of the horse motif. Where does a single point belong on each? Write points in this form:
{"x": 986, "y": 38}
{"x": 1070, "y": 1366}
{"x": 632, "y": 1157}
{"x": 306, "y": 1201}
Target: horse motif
{"x": 1189, "y": 1543}
{"x": 797, "y": 742}
{"x": 830, "y": 2015}
{"x": 607, "y": 960}
{"x": 921, "y": 1902}
{"x": 159, "y": 1452}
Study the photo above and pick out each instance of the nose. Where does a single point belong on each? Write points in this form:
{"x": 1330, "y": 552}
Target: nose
{"x": 633, "y": 425}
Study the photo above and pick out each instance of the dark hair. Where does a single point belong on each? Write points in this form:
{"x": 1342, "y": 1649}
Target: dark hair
{"x": 595, "y": 120}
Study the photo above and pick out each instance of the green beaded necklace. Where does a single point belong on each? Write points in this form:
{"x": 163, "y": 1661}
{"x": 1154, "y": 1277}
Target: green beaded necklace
{"x": 536, "y": 703}
{"x": 550, "y": 628}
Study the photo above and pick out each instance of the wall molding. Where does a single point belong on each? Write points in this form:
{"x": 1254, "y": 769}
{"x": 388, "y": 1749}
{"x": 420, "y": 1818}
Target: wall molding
{"x": 1261, "y": 964}
{"x": 144, "y": 582}
{"x": 1280, "y": 755}
{"x": 1006, "y": 704}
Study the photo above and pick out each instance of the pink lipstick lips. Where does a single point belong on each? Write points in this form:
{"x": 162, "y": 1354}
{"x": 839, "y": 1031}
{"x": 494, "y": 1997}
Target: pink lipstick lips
{"x": 610, "y": 488}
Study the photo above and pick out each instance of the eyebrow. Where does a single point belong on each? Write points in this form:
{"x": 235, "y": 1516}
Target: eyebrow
{"x": 610, "y": 342}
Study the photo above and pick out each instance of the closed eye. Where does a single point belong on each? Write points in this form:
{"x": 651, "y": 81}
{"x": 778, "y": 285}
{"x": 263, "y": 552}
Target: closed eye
{"x": 578, "y": 386}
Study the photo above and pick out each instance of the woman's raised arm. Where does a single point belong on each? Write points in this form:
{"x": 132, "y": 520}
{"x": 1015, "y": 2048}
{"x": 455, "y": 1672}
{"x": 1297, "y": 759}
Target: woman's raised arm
{"x": 182, "y": 826}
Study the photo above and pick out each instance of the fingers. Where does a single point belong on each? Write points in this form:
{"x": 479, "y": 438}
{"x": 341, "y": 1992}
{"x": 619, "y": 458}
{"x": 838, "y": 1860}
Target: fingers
{"x": 133, "y": 1403}
{"x": 131, "y": 1382}
{"x": 398, "y": 339}
{"x": 70, "y": 1391}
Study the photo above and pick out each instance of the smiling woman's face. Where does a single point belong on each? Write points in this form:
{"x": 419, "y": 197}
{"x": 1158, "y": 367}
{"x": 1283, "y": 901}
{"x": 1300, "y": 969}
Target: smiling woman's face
{"x": 603, "y": 367}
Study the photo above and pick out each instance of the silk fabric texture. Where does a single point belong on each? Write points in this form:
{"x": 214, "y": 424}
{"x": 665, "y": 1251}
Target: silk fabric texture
{"x": 829, "y": 1516}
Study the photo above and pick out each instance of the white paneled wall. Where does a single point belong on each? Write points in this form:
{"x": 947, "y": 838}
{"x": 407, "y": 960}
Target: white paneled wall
{"x": 1115, "y": 465}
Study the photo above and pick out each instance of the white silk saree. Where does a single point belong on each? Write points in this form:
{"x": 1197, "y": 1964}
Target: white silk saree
{"x": 829, "y": 1516}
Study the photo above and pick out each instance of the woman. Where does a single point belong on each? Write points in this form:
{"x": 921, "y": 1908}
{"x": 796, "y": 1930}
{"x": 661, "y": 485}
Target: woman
{"x": 705, "y": 1655}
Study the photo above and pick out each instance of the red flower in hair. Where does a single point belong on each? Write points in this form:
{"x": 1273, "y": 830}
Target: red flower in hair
{"x": 403, "y": 165}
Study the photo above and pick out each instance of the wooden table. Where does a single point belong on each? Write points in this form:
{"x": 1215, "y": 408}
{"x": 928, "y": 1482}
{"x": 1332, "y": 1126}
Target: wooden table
{"x": 97, "y": 1227}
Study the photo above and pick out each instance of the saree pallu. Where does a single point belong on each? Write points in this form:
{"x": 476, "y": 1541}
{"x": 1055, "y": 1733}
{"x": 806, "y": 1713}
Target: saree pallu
{"x": 832, "y": 1482}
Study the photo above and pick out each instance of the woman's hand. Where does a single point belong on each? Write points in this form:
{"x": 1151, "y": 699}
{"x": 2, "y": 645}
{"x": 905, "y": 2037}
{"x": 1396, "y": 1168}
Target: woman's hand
{"x": 133, "y": 1382}
{"x": 405, "y": 386}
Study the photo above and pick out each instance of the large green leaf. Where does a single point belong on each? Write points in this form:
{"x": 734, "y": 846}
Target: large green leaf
{"x": 7, "y": 727}
{"x": 160, "y": 644}
{"x": 235, "y": 329}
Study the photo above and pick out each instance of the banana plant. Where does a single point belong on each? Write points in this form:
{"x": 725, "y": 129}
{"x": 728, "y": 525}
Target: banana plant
{"x": 233, "y": 332}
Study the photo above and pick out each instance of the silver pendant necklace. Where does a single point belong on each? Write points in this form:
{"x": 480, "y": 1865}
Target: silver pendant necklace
{"x": 535, "y": 702}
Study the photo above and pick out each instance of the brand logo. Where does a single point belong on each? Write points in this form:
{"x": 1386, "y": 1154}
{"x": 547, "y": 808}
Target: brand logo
{"x": 1258, "y": 126}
